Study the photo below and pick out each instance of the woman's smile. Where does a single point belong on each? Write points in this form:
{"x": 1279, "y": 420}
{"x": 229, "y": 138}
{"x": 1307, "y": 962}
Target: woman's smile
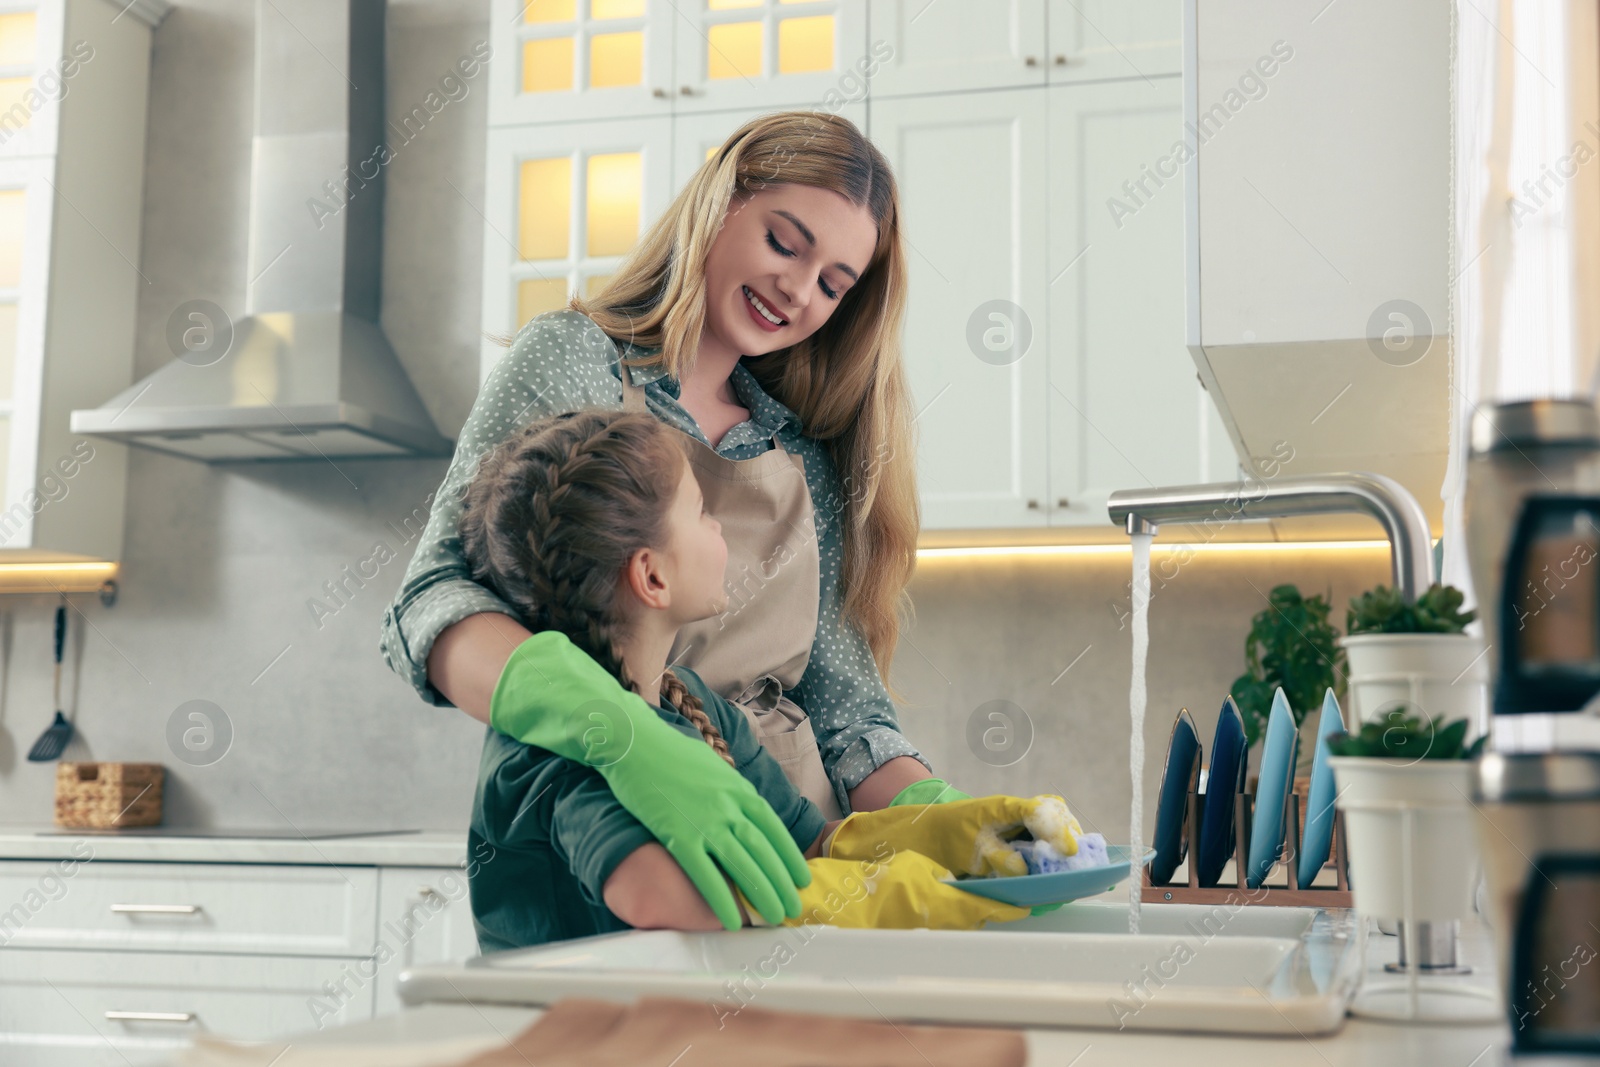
{"x": 760, "y": 310}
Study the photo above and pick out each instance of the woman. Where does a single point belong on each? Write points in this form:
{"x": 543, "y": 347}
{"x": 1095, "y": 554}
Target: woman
{"x": 761, "y": 316}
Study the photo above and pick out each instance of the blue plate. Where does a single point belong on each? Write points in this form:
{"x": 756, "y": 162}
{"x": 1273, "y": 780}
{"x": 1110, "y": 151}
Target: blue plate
{"x": 1225, "y": 778}
{"x": 1172, "y": 810}
{"x": 1319, "y": 798}
{"x": 1272, "y": 790}
{"x": 1061, "y": 887}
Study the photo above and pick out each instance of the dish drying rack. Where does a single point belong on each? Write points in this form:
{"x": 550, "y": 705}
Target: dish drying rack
{"x": 1293, "y": 895}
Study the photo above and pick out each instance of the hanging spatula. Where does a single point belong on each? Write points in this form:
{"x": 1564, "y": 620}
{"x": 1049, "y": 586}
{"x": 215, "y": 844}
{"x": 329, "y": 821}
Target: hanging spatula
{"x": 58, "y": 733}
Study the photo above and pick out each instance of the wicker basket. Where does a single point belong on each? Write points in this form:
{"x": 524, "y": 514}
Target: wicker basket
{"x": 103, "y": 796}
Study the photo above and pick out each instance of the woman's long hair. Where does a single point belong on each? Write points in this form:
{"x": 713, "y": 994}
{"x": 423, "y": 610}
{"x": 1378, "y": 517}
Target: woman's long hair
{"x": 847, "y": 381}
{"x": 554, "y": 513}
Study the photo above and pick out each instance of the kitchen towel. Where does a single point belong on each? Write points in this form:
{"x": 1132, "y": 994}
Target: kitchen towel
{"x": 654, "y": 1031}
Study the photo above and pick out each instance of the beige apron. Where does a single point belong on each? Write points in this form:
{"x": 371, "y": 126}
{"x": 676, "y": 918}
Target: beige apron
{"x": 760, "y": 645}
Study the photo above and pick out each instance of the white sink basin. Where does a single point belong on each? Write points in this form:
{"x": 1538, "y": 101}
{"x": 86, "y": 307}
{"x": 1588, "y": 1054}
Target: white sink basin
{"x": 1172, "y": 978}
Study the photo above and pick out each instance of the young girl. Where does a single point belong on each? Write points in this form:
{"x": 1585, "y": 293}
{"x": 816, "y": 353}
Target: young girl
{"x": 592, "y": 524}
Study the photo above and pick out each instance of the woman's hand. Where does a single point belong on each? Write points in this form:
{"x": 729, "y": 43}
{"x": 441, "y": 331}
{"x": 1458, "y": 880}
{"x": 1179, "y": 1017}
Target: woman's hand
{"x": 554, "y": 695}
{"x": 968, "y": 836}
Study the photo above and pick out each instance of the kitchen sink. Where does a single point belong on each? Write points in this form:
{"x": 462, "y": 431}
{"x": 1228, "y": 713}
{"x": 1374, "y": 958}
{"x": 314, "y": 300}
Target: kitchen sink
{"x": 1262, "y": 970}
{"x": 1199, "y": 920}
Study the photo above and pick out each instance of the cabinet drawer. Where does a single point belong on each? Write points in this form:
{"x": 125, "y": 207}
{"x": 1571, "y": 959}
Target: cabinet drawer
{"x": 188, "y": 907}
{"x": 83, "y": 1008}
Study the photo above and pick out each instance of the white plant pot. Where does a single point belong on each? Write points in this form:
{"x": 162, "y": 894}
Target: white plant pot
{"x": 1379, "y": 798}
{"x": 1441, "y": 674}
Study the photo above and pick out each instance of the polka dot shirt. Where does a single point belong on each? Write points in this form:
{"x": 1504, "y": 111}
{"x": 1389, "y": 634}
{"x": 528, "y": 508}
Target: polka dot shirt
{"x": 562, "y": 361}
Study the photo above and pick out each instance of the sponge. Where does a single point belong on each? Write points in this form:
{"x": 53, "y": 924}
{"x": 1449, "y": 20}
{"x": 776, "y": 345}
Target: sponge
{"x": 1044, "y": 858}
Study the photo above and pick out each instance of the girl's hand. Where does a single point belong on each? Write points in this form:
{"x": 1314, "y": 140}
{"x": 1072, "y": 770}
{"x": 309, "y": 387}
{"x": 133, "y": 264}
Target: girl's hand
{"x": 897, "y": 890}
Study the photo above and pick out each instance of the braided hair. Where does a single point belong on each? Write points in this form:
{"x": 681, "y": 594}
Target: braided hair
{"x": 554, "y": 513}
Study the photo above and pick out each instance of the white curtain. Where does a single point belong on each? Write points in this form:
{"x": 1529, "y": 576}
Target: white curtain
{"x": 1525, "y": 296}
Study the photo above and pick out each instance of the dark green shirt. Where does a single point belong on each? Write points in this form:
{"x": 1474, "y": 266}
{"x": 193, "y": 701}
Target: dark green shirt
{"x": 548, "y": 832}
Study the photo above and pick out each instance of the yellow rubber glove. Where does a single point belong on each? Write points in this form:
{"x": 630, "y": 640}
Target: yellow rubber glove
{"x": 968, "y": 836}
{"x": 901, "y": 890}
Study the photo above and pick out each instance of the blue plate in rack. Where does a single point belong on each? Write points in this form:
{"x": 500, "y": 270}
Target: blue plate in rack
{"x": 1172, "y": 809}
{"x": 1272, "y": 790}
{"x": 1223, "y": 781}
{"x": 1319, "y": 798}
{"x": 1059, "y": 887}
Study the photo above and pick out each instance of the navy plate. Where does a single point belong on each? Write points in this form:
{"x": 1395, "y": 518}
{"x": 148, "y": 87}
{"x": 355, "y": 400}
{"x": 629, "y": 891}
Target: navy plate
{"x": 1172, "y": 810}
{"x": 1225, "y": 779}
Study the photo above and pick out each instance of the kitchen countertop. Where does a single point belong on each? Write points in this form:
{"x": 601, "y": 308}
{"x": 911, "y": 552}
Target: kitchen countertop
{"x": 428, "y": 848}
{"x": 1359, "y": 1043}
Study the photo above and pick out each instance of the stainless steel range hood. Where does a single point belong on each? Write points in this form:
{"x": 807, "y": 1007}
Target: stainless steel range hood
{"x": 307, "y": 373}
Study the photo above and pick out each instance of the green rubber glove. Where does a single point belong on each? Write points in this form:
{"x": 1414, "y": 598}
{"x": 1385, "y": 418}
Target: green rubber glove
{"x": 554, "y": 695}
{"x": 929, "y": 791}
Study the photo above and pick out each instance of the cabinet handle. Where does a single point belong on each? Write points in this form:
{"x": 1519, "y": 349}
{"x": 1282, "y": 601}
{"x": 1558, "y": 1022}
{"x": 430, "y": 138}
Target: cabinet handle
{"x": 427, "y": 892}
{"x": 1032, "y": 61}
{"x": 659, "y": 93}
{"x": 1062, "y": 503}
{"x": 1033, "y": 505}
{"x": 154, "y": 909}
{"x": 1062, "y": 61}
{"x": 686, "y": 90}
{"x": 151, "y": 1016}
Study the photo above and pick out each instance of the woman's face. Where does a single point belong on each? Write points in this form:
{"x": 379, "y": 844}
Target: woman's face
{"x": 799, "y": 249}
{"x": 696, "y": 557}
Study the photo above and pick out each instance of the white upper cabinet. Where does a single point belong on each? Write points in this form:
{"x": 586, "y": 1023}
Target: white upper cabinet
{"x": 768, "y": 54}
{"x": 943, "y": 47}
{"x": 565, "y": 204}
{"x": 1092, "y": 40}
{"x": 972, "y": 193}
{"x": 1127, "y": 409}
{"x": 565, "y": 60}
{"x": 1002, "y": 44}
{"x": 74, "y": 77}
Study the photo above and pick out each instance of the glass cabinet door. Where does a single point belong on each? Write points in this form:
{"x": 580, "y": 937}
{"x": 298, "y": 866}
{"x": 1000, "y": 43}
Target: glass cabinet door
{"x": 767, "y": 54}
{"x": 566, "y": 203}
{"x": 25, "y": 224}
{"x": 559, "y": 60}
{"x": 34, "y": 76}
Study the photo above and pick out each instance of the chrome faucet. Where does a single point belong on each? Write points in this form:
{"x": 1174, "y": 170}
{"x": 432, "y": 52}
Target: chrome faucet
{"x": 1362, "y": 492}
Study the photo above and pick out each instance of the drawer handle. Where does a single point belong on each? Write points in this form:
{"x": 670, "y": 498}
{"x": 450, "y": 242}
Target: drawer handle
{"x": 155, "y": 909}
{"x": 151, "y": 1016}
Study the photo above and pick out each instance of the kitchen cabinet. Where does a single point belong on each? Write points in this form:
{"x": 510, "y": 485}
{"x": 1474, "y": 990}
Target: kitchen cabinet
{"x": 1044, "y": 337}
{"x": 73, "y": 87}
{"x": 424, "y": 916}
{"x": 564, "y": 203}
{"x": 972, "y": 198}
{"x": 1319, "y": 276}
{"x": 1045, "y": 326}
{"x": 926, "y": 48}
{"x": 120, "y": 950}
{"x": 567, "y": 60}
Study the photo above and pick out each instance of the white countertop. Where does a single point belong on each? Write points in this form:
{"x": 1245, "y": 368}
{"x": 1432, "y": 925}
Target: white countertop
{"x": 1360, "y": 1043}
{"x": 429, "y": 848}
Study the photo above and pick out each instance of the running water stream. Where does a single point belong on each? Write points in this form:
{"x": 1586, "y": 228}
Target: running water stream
{"x": 1136, "y": 702}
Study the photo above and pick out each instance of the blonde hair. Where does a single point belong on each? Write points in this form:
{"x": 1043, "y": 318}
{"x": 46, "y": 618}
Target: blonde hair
{"x": 846, "y": 381}
{"x": 555, "y": 512}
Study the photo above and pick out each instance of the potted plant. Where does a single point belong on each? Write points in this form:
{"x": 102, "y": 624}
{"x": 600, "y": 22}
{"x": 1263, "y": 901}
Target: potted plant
{"x": 1417, "y": 653}
{"x": 1403, "y": 783}
{"x": 1291, "y": 644}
